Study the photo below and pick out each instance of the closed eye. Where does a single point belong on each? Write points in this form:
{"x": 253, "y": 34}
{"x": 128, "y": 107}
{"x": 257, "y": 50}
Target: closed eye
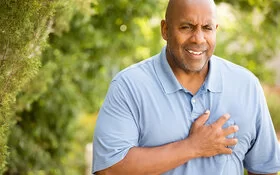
{"x": 187, "y": 27}
{"x": 207, "y": 27}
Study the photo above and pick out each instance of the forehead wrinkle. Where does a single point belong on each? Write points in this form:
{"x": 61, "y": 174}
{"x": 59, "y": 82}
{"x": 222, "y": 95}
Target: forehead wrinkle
{"x": 192, "y": 22}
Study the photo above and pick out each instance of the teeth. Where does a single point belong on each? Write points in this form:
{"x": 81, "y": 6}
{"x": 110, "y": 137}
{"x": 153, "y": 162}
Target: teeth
{"x": 195, "y": 53}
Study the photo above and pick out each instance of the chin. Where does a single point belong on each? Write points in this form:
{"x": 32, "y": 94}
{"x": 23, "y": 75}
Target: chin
{"x": 195, "y": 69}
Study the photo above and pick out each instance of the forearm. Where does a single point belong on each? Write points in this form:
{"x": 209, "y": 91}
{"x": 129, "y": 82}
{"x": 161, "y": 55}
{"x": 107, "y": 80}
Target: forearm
{"x": 202, "y": 141}
{"x": 261, "y": 174}
{"x": 155, "y": 160}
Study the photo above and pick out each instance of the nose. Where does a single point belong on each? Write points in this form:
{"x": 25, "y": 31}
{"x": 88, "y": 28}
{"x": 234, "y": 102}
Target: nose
{"x": 198, "y": 37}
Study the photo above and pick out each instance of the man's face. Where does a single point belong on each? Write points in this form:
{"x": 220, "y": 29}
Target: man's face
{"x": 190, "y": 32}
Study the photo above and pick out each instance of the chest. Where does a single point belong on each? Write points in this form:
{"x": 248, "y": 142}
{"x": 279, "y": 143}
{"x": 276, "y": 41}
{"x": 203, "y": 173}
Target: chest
{"x": 167, "y": 118}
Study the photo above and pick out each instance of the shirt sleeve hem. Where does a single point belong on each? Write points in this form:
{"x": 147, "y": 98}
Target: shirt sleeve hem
{"x": 272, "y": 169}
{"x": 101, "y": 165}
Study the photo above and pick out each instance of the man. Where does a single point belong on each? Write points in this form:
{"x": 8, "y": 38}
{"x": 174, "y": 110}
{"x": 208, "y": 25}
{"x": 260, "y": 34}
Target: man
{"x": 185, "y": 111}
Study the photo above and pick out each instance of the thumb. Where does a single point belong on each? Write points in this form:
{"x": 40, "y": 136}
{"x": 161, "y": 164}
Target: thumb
{"x": 203, "y": 118}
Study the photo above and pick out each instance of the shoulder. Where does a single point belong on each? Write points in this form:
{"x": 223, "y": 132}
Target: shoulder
{"x": 137, "y": 72}
{"x": 232, "y": 71}
{"x": 130, "y": 84}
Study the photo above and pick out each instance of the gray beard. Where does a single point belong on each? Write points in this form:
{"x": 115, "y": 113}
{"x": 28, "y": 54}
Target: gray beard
{"x": 183, "y": 66}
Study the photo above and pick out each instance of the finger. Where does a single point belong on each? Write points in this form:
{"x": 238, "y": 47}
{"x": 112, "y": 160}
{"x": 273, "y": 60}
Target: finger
{"x": 230, "y": 130}
{"x": 222, "y": 120}
{"x": 231, "y": 142}
{"x": 227, "y": 151}
{"x": 202, "y": 119}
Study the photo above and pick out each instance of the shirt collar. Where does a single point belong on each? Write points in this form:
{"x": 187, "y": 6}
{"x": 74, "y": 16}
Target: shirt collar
{"x": 170, "y": 83}
{"x": 165, "y": 74}
{"x": 214, "y": 80}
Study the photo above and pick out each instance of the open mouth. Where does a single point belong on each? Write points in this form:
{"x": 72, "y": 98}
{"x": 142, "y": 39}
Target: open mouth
{"x": 195, "y": 52}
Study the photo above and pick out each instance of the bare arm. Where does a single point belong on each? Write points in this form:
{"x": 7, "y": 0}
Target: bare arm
{"x": 203, "y": 141}
{"x": 261, "y": 174}
{"x": 154, "y": 160}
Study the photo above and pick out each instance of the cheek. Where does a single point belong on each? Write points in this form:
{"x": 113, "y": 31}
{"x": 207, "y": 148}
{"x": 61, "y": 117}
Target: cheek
{"x": 211, "y": 44}
{"x": 177, "y": 38}
{"x": 212, "y": 40}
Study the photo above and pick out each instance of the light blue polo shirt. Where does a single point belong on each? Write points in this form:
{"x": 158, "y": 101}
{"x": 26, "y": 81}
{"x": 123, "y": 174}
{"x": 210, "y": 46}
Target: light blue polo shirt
{"x": 146, "y": 106}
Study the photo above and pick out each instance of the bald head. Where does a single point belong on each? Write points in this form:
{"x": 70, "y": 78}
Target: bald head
{"x": 173, "y": 5}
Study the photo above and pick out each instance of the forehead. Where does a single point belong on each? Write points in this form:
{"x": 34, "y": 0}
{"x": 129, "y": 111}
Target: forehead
{"x": 195, "y": 11}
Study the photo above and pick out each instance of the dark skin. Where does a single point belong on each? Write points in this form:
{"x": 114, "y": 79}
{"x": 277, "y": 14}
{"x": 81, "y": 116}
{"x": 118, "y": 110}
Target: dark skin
{"x": 190, "y": 32}
{"x": 153, "y": 161}
{"x": 190, "y": 44}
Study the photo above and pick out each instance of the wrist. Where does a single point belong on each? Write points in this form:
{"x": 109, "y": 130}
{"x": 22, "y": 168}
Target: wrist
{"x": 191, "y": 149}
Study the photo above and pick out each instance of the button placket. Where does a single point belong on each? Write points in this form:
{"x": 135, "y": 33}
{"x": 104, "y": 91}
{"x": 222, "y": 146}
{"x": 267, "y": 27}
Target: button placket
{"x": 193, "y": 101}
{"x": 193, "y": 115}
{"x": 198, "y": 106}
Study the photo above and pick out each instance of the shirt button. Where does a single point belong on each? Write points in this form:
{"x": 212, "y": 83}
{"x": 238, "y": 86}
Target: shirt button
{"x": 193, "y": 100}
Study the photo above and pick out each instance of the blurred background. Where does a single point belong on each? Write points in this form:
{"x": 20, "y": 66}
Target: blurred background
{"x": 58, "y": 57}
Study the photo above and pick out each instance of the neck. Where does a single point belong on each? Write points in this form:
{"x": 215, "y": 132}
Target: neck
{"x": 192, "y": 81}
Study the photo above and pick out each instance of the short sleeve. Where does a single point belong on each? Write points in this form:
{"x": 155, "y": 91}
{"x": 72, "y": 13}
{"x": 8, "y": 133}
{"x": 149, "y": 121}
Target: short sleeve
{"x": 116, "y": 130}
{"x": 264, "y": 155}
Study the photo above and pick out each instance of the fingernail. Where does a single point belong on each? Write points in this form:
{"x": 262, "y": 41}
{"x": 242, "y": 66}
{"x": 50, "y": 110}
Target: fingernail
{"x": 207, "y": 111}
{"x": 227, "y": 116}
{"x": 236, "y": 127}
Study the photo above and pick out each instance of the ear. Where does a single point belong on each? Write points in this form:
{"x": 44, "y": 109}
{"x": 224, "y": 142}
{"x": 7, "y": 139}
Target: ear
{"x": 164, "y": 29}
{"x": 217, "y": 25}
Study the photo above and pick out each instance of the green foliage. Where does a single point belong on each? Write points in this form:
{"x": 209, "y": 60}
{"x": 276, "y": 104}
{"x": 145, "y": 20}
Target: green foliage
{"x": 91, "y": 40}
{"x": 84, "y": 128}
{"x": 76, "y": 70}
{"x": 31, "y": 147}
{"x": 23, "y": 34}
{"x": 270, "y": 9}
{"x": 249, "y": 37}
